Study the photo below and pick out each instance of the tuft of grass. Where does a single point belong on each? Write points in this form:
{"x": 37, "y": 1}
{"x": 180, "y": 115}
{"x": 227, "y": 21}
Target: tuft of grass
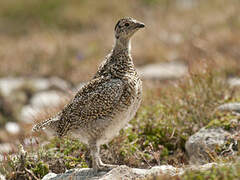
{"x": 227, "y": 121}
{"x": 36, "y": 163}
{"x": 225, "y": 172}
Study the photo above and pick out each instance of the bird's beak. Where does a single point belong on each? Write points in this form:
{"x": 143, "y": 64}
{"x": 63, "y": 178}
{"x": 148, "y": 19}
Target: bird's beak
{"x": 140, "y": 25}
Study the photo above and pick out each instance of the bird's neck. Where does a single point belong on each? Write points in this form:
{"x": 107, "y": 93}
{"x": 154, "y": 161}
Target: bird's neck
{"x": 122, "y": 46}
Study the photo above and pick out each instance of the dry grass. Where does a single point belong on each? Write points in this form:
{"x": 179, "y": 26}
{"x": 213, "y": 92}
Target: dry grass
{"x": 50, "y": 44}
{"x": 66, "y": 39}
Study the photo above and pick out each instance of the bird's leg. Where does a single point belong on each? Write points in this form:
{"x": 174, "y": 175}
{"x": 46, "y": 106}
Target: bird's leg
{"x": 97, "y": 164}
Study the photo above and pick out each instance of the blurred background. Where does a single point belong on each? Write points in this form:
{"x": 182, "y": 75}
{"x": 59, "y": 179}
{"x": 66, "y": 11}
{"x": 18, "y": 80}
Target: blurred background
{"x": 48, "y": 49}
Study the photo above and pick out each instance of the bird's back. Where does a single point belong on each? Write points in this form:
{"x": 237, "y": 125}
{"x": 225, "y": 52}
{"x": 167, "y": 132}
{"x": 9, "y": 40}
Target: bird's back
{"x": 106, "y": 103}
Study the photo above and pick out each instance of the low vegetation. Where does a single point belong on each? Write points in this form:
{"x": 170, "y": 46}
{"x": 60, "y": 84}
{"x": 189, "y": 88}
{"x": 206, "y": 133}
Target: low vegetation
{"x": 63, "y": 38}
{"x": 223, "y": 172}
{"x": 156, "y": 135}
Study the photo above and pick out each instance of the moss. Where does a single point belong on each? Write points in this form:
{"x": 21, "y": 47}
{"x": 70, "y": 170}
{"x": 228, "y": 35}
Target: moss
{"x": 226, "y": 121}
{"x": 50, "y": 157}
{"x": 40, "y": 169}
{"x": 225, "y": 172}
{"x": 72, "y": 162}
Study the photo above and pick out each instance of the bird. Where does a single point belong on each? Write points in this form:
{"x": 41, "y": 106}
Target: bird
{"x": 104, "y": 105}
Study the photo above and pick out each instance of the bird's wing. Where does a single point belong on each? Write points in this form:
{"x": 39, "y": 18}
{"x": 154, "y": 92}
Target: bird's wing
{"x": 96, "y": 100}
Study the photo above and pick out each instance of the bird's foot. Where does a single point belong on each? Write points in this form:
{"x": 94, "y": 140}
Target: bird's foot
{"x": 104, "y": 167}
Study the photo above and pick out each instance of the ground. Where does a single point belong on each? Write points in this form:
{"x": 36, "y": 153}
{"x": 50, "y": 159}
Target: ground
{"x": 68, "y": 40}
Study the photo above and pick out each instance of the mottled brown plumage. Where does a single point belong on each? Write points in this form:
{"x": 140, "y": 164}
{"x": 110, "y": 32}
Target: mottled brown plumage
{"x": 107, "y": 102}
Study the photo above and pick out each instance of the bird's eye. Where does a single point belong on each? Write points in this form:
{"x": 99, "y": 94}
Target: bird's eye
{"x": 126, "y": 24}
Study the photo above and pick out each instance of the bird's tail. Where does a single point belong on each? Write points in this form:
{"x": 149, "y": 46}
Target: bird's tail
{"x": 49, "y": 123}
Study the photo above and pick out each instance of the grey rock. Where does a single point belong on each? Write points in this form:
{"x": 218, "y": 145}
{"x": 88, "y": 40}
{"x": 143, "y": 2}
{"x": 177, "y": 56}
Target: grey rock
{"x": 28, "y": 113}
{"x": 234, "y": 82}
{"x": 76, "y": 174}
{"x": 59, "y": 83}
{"x": 46, "y": 98}
{"x": 125, "y": 172}
{"x": 9, "y": 84}
{"x": 49, "y": 176}
{"x": 119, "y": 173}
{"x": 12, "y": 127}
{"x": 205, "y": 142}
{"x": 39, "y": 103}
{"x": 2, "y": 177}
{"x": 233, "y": 107}
{"x": 165, "y": 169}
{"x": 163, "y": 71}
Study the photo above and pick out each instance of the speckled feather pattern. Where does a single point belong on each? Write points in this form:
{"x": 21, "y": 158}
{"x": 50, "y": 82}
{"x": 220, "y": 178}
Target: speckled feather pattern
{"x": 110, "y": 92}
{"x": 107, "y": 102}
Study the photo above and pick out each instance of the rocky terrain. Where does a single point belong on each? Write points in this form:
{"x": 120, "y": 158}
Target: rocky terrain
{"x": 188, "y": 57}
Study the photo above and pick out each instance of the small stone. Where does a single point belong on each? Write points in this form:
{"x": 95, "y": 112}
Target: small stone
{"x": 28, "y": 113}
{"x": 163, "y": 71}
{"x": 234, "y": 82}
{"x": 59, "y": 83}
{"x": 12, "y": 127}
{"x": 207, "y": 141}
{"x": 8, "y": 84}
{"x": 49, "y": 176}
{"x": 233, "y": 107}
{"x": 46, "y": 98}
{"x": 2, "y": 177}
{"x": 39, "y": 103}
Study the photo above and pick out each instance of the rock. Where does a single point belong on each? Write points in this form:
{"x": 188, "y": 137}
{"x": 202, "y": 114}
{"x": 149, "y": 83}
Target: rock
{"x": 59, "y": 83}
{"x": 49, "y": 176}
{"x": 39, "y": 103}
{"x": 232, "y": 107}
{"x": 165, "y": 169}
{"x": 28, "y": 113}
{"x": 124, "y": 172}
{"x": 163, "y": 71}
{"x": 46, "y": 98}
{"x": 12, "y": 127}
{"x": 234, "y": 82}
{"x": 2, "y": 177}
{"x": 120, "y": 172}
{"x": 80, "y": 174}
{"x": 9, "y": 84}
{"x": 204, "y": 145}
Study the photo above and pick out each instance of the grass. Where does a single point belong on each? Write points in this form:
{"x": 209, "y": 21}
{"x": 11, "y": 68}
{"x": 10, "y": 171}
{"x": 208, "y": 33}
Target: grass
{"x": 44, "y": 46}
{"x": 223, "y": 172}
{"x": 157, "y": 134}
{"x": 65, "y": 39}
{"x": 226, "y": 172}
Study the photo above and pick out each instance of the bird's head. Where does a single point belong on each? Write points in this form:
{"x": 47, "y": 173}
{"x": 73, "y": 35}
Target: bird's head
{"x": 126, "y": 27}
